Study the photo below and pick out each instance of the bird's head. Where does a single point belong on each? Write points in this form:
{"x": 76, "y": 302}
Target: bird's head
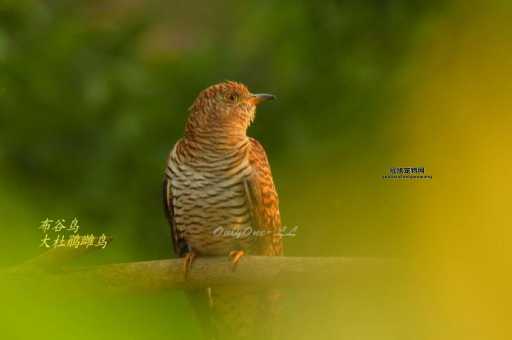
{"x": 227, "y": 108}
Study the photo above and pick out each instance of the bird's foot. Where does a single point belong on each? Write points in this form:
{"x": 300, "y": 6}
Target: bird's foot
{"x": 187, "y": 262}
{"x": 235, "y": 257}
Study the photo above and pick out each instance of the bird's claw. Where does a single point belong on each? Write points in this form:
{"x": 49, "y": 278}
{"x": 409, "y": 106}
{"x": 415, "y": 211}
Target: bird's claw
{"x": 235, "y": 257}
{"x": 187, "y": 263}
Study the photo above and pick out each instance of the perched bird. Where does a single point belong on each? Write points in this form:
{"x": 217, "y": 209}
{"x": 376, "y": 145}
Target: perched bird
{"x": 220, "y": 200}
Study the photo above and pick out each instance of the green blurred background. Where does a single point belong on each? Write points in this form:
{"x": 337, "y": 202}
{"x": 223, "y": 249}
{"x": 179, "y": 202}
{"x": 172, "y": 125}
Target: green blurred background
{"x": 93, "y": 95}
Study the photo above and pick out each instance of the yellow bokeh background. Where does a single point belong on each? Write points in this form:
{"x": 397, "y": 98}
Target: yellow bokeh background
{"x": 459, "y": 122}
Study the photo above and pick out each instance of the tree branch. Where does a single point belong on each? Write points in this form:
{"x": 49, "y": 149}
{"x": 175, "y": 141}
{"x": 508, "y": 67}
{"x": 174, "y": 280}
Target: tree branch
{"x": 150, "y": 276}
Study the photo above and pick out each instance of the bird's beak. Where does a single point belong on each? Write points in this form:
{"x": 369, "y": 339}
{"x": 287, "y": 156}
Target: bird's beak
{"x": 258, "y": 98}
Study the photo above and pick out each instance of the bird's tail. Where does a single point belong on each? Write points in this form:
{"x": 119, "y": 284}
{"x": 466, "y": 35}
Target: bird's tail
{"x": 237, "y": 313}
{"x": 200, "y": 300}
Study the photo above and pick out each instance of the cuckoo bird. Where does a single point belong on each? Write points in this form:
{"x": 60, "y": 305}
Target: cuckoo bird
{"x": 220, "y": 200}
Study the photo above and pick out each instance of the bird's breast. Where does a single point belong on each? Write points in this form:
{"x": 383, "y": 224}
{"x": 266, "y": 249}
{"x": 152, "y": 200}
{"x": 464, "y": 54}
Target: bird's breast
{"x": 210, "y": 204}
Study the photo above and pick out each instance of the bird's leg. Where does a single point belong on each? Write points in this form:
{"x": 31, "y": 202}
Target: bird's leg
{"x": 187, "y": 262}
{"x": 235, "y": 257}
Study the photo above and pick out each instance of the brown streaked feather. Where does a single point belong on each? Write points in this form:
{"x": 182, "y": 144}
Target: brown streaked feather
{"x": 263, "y": 200}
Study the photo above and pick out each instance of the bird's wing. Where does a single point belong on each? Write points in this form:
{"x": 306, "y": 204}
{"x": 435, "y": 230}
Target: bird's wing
{"x": 178, "y": 241}
{"x": 263, "y": 200}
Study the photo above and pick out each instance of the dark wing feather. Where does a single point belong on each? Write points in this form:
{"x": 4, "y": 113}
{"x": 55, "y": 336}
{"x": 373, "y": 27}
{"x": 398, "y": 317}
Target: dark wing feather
{"x": 263, "y": 200}
{"x": 178, "y": 242}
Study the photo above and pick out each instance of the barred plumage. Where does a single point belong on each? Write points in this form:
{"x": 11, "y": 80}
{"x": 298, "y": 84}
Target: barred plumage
{"x": 218, "y": 186}
{"x": 209, "y": 195}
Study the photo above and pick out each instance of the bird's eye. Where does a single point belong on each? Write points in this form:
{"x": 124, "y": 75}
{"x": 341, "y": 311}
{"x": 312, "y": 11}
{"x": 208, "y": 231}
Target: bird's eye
{"x": 232, "y": 97}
